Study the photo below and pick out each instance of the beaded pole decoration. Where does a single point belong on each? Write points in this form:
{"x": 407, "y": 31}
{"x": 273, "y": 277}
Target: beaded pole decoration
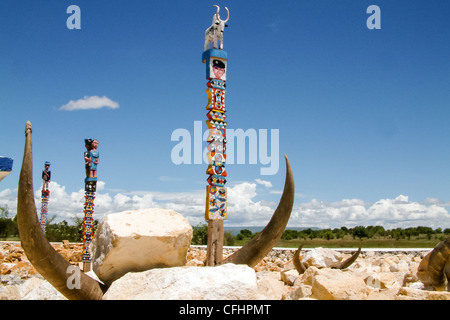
{"x": 216, "y": 193}
{"x": 91, "y": 156}
{"x": 45, "y": 195}
{"x": 216, "y": 204}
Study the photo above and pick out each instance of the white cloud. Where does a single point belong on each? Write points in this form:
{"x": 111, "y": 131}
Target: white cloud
{"x": 243, "y": 207}
{"x": 265, "y": 183}
{"x": 390, "y": 213}
{"x": 8, "y": 198}
{"x": 87, "y": 103}
{"x": 437, "y": 202}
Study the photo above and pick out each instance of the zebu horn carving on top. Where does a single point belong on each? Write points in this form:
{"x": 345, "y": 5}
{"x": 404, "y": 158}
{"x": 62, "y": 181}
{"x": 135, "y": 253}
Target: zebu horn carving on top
{"x": 214, "y": 34}
{"x": 434, "y": 269}
{"x": 50, "y": 264}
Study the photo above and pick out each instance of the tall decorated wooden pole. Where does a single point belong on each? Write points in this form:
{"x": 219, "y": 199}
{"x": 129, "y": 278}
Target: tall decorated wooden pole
{"x": 216, "y": 194}
{"x": 45, "y": 195}
{"x": 91, "y": 156}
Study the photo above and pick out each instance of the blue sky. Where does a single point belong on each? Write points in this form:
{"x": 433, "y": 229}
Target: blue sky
{"x": 362, "y": 114}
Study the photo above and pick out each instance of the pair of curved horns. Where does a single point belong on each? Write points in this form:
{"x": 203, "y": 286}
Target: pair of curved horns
{"x": 50, "y": 264}
{"x": 53, "y": 267}
{"x": 301, "y": 268}
{"x": 217, "y": 14}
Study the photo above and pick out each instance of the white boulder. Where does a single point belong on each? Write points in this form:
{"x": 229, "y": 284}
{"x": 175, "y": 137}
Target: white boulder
{"x": 323, "y": 258}
{"x": 139, "y": 240}
{"x": 39, "y": 289}
{"x": 224, "y": 282}
{"x": 333, "y": 284}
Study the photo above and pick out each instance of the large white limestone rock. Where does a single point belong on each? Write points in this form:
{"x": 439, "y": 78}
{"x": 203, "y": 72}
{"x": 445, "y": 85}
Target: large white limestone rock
{"x": 139, "y": 240}
{"x": 224, "y": 282}
{"x": 333, "y": 284}
{"x": 323, "y": 258}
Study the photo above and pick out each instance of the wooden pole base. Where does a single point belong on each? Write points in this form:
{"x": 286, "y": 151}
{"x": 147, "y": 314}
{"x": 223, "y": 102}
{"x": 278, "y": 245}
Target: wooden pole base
{"x": 214, "y": 253}
{"x": 87, "y": 266}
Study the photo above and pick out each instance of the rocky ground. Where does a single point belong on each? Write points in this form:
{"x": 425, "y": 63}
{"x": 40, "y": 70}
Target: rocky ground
{"x": 376, "y": 275}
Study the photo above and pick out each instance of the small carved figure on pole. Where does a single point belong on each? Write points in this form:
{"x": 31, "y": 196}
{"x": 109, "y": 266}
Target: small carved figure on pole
{"x": 46, "y": 175}
{"x": 91, "y": 161}
{"x": 93, "y": 154}
{"x": 45, "y": 195}
{"x": 87, "y": 157}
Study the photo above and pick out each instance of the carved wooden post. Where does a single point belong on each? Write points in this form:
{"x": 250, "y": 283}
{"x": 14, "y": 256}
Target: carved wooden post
{"x": 214, "y": 254}
{"x": 91, "y": 161}
{"x": 216, "y": 193}
{"x": 45, "y": 195}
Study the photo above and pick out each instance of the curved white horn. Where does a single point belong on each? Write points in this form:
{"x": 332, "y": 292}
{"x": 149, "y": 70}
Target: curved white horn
{"x": 255, "y": 250}
{"x": 50, "y": 264}
{"x": 228, "y": 15}
{"x": 218, "y": 9}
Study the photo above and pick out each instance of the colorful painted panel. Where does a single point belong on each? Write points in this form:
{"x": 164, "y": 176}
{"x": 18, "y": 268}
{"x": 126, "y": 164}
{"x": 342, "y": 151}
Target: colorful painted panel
{"x": 217, "y": 131}
{"x": 217, "y": 84}
{"x": 217, "y": 147}
{"x": 216, "y": 99}
{"x": 208, "y": 57}
{"x": 45, "y": 195}
{"x": 216, "y": 200}
{"x": 217, "y": 168}
{"x": 88, "y": 225}
{"x": 218, "y": 68}
{"x": 216, "y": 157}
{"x": 217, "y": 180}
{"x": 216, "y": 203}
{"x": 216, "y": 115}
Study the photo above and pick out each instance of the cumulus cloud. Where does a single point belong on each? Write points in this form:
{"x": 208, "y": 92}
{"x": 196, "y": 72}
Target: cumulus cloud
{"x": 389, "y": 213}
{"x": 243, "y": 207}
{"x": 87, "y": 103}
{"x": 8, "y": 198}
{"x": 264, "y": 183}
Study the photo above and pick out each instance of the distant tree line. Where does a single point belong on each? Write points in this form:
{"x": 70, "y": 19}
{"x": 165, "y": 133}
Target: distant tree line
{"x": 58, "y": 231}
{"x": 359, "y": 232}
{"x": 8, "y": 227}
{"x": 364, "y": 232}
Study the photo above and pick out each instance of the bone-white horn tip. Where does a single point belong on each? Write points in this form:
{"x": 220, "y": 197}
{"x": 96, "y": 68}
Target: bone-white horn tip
{"x": 28, "y": 127}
